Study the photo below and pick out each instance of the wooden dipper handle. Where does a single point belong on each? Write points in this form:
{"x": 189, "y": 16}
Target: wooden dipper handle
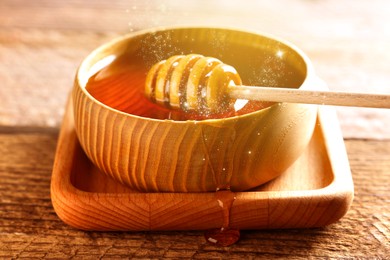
{"x": 310, "y": 97}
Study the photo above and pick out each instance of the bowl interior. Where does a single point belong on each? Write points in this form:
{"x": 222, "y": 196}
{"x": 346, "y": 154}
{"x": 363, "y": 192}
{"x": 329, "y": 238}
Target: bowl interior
{"x": 115, "y": 73}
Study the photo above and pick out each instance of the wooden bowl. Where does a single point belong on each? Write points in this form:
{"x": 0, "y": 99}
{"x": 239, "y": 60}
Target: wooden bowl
{"x": 164, "y": 155}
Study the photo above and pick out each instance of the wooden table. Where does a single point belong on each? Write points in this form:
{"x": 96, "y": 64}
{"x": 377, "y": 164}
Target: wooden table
{"x": 41, "y": 45}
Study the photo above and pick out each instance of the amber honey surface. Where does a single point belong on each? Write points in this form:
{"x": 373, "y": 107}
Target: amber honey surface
{"x": 121, "y": 84}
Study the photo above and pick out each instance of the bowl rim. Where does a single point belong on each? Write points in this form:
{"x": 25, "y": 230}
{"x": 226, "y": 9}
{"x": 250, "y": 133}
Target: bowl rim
{"x": 85, "y": 64}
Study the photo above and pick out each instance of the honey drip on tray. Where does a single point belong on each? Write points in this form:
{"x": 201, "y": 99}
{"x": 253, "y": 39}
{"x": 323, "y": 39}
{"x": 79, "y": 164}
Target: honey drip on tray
{"x": 224, "y": 236}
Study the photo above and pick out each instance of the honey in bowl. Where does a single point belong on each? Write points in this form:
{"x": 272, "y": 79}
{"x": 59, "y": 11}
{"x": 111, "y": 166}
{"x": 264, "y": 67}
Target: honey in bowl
{"x": 151, "y": 148}
{"x": 121, "y": 85}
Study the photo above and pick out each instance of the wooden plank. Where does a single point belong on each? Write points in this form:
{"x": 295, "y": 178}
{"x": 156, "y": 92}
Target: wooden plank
{"x": 30, "y": 228}
{"x": 347, "y": 43}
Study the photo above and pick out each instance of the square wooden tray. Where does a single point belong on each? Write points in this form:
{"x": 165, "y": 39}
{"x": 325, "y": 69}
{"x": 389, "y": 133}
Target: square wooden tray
{"x": 315, "y": 191}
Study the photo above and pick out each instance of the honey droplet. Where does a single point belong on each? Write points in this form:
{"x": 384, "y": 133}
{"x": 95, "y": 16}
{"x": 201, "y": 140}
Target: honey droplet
{"x": 222, "y": 237}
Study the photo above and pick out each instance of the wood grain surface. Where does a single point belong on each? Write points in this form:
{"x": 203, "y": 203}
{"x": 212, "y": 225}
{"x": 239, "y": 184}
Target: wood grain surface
{"x": 30, "y": 228}
{"x": 42, "y": 43}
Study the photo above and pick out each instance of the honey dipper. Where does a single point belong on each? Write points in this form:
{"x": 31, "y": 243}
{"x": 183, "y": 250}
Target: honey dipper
{"x": 197, "y": 83}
